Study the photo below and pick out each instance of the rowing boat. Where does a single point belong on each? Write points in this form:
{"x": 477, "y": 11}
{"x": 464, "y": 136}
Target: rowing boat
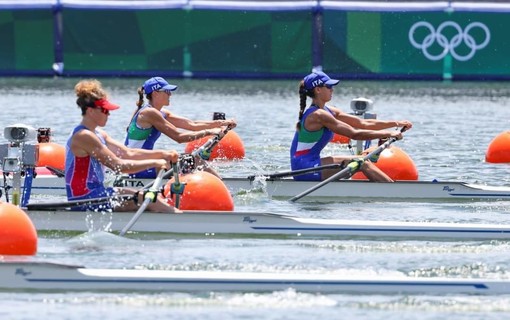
{"x": 353, "y": 190}
{"x": 45, "y": 276}
{"x": 253, "y": 224}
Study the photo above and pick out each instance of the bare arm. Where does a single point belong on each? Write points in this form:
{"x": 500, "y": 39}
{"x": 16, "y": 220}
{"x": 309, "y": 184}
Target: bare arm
{"x": 154, "y": 118}
{"x": 368, "y": 124}
{"x": 86, "y": 143}
{"x": 195, "y": 125}
{"x": 322, "y": 118}
{"x": 138, "y": 154}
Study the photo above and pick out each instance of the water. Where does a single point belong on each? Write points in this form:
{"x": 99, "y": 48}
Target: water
{"x": 453, "y": 125}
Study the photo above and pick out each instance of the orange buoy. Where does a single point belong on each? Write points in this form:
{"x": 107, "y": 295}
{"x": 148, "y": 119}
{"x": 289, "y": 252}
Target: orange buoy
{"x": 395, "y": 163}
{"x": 17, "y": 232}
{"x": 202, "y": 191}
{"x": 52, "y": 154}
{"x": 499, "y": 149}
{"x": 337, "y": 138}
{"x": 230, "y": 147}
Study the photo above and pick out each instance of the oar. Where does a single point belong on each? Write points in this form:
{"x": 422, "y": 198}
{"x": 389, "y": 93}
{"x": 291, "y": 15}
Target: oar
{"x": 349, "y": 170}
{"x": 149, "y": 196}
{"x": 165, "y": 176}
{"x": 56, "y": 171}
{"x": 76, "y": 203}
{"x": 295, "y": 172}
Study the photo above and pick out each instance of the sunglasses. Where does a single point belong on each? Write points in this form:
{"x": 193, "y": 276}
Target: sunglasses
{"x": 169, "y": 92}
{"x": 103, "y": 110}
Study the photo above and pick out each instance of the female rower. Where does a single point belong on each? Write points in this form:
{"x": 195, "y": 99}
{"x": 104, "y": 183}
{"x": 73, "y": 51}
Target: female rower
{"x": 318, "y": 123}
{"x": 89, "y": 149}
{"x": 151, "y": 119}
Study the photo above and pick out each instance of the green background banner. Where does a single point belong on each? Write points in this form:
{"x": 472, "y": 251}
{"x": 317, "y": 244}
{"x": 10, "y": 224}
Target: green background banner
{"x": 379, "y": 43}
{"x": 27, "y": 42}
{"x": 202, "y": 41}
{"x": 241, "y": 43}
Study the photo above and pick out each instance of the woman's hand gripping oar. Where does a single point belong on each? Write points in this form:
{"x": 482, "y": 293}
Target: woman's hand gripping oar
{"x": 350, "y": 169}
{"x": 188, "y": 161}
{"x": 150, "y": 195}
{"x": 205, "y": 150}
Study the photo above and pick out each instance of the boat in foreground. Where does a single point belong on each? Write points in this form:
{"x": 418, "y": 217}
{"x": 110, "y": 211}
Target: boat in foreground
{"x": 336, "y": 190}
{"x": 253, "y": 224}
{"x": 44, "y": 276}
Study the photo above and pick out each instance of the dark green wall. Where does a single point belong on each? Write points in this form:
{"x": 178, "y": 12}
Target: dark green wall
{"x": 237, "y": 43}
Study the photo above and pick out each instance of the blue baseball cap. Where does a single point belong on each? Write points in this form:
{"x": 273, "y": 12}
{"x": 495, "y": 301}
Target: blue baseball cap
{"x": 157, "y": 84}
{"x": 317, "y": 79}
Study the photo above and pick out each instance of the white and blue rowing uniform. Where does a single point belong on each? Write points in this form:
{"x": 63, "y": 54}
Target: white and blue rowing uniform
{"x": 84, "y": 177}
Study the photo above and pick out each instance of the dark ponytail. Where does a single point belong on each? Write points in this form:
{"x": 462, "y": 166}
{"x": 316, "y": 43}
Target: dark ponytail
{"x": 139, "y": 104}
{"x": 303, "y": 93}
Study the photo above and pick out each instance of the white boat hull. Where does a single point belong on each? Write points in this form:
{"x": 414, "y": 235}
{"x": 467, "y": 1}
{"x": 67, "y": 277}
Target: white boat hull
{"x": 338, "y": 190}
{"x": 50, "y": 277}
{"x": 254, "y": 224}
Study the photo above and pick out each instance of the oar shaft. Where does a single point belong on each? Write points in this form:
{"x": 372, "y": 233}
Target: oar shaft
{"x": 150, "y": 196}
{"x": 297, "y": 172}
{"x": 136, "y": 216}
{"x": 165, "y": 176}
{"x": 157, "y": 182}
{"x": 76, "y": 203}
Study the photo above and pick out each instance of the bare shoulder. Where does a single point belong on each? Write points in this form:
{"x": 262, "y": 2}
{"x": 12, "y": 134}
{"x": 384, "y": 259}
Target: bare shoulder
{"x": 321, "y": 114}
{"x": 335, "y": 111}
{"x": 149, "y": 116}
{"x": 87, "y": 136}
{"x": 151, "y": 112}
{"x": 83, "y": 142}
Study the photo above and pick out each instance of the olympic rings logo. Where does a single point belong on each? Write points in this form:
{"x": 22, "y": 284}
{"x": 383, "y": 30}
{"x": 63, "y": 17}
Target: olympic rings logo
{"x": 451, "y": 45}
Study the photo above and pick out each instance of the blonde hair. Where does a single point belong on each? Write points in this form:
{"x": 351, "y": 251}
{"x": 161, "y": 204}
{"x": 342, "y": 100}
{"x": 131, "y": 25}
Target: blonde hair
{"x": 88, "y": 91}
